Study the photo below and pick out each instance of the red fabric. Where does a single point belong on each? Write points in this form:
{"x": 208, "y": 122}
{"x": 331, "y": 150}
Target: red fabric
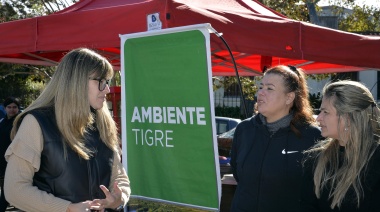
{"x": 258, "y": 36}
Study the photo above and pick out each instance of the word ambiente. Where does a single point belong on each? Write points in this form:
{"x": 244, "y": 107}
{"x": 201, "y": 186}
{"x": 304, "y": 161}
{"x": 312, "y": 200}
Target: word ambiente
{"x": 170, "y": 115}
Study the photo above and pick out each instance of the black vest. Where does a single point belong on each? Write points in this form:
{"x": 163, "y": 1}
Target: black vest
{"x": 73, "y": 179}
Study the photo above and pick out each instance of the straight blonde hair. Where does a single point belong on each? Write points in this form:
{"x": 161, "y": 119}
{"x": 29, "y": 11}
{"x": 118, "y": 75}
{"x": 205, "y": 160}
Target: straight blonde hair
{"x": 67, "y": 92}
{"x": 354, "y": 105}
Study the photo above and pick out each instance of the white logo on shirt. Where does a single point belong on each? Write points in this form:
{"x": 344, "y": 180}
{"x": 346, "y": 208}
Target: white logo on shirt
{"x": 287, "y": 152}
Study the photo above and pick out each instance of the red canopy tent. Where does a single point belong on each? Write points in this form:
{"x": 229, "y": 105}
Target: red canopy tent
{"x": 258, "y": 36}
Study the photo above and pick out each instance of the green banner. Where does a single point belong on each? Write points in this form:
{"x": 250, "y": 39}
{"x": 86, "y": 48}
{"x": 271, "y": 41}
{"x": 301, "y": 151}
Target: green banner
{"x": 168, "y": 120}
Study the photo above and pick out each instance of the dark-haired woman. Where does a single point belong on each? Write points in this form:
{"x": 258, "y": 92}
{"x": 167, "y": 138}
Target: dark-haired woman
{"x": 268, "y": 148}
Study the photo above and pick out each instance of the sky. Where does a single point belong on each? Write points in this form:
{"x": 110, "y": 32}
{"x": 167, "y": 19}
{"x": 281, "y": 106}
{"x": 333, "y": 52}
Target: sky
{"x": 375, "y": 3}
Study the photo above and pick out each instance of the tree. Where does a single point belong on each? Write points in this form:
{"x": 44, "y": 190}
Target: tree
{"x": 20, "y": 80}
{"x": 362, "y": 19}
{"x": 249, "y": 87}
{"x": 290, "y": 8}
{"x": 20, "y": 9}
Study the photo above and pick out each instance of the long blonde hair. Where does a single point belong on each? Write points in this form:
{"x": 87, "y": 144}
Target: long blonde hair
{"x": 358, "y": 112}
{"x": 67, "y": 92}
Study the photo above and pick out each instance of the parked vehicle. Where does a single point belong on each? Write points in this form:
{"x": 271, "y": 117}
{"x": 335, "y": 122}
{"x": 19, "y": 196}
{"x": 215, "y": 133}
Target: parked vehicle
{"x": 224, "y": 149}
{"x": 224, "y": 124}
{"x": 225, "y": 142}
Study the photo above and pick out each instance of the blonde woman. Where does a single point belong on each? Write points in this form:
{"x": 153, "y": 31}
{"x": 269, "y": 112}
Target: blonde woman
{"x": 65, "y": 150}
{"x": 342, "y": 173}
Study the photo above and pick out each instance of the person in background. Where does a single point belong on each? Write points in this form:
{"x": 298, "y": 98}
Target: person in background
{"x": 12, "y": 108}
{"x": 267, "y": 148}
{"x": 2, "y": 111}
{"x": 65, "y": 153}
{"x": 342, "y": 173}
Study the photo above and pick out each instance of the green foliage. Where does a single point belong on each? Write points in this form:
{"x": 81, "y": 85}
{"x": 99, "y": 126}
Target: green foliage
{"x": 23, "y": 81}
{"x": 20, "y": 9}
{"x": 315, "y": 101}
{"x": 232, "y": 112}
{"x": 7, "y": 12}
{"x": 116, "y": 80}
{"x": 363, "y": 19}
{"x": 290, "y": 8}
{"x": 248, "y": 84}
{"x": 22, "y": 87}
{"x": 320, "y": 77}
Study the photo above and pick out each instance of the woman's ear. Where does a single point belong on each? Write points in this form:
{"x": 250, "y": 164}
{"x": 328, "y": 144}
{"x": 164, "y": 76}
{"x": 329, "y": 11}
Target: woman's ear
{"x": 290, "y": 97}
{"x": 345, "y": 121}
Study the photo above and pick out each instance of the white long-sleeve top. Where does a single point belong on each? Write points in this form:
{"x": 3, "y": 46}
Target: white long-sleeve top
{"x": 24, "y": 156}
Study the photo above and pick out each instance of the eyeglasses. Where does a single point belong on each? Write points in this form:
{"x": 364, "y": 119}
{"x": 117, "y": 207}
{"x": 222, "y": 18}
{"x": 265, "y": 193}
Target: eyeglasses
{"x": 102, "y": 83}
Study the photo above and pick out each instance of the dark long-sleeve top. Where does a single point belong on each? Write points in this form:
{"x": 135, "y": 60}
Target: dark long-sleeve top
{"x": 5, "y": 140}
{"x": 370, "y": 180}
{"x": 267, "y": 167}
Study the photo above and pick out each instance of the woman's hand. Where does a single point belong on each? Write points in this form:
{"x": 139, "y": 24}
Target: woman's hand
{"x": 113, "y": 199}
{"x": 79, "y": 207}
